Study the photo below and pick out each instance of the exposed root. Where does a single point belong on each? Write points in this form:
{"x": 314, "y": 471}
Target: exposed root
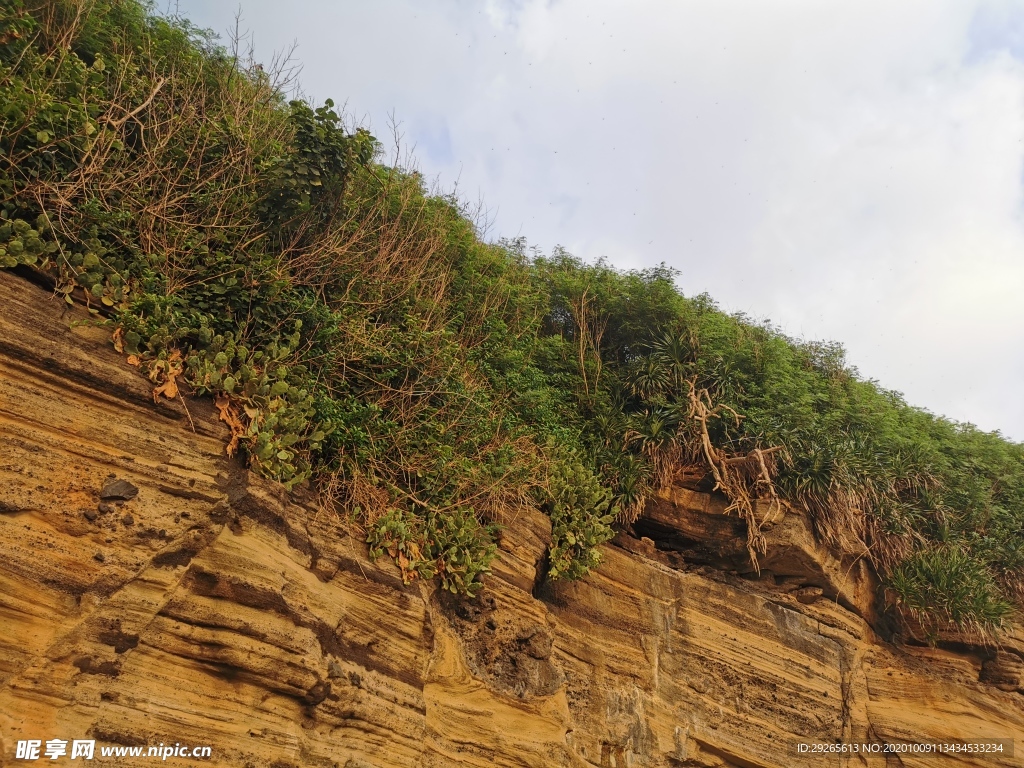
{"x": 743, "y": 479}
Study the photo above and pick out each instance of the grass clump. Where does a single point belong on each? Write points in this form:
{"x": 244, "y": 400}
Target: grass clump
{"x": 357, "y": 332}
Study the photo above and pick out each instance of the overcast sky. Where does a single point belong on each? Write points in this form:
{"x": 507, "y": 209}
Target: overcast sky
{"x": 849, "y": 170}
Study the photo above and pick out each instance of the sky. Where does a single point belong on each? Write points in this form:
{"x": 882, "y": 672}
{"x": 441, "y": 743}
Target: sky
{"x": 849, "y": 171}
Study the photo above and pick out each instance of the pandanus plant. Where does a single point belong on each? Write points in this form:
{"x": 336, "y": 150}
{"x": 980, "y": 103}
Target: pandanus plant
{"x": 676, "y": 355}
{"x": 654, "y": 433}
{"x": 632, "y": 487}
{"x": 647, "y": 378}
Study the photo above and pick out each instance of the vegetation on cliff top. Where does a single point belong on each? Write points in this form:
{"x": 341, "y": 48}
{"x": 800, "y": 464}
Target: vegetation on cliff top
{"x": 357, "y": 332}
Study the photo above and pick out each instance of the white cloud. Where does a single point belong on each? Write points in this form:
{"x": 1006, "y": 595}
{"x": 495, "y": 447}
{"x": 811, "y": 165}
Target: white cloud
{"x": 852, "y": 171}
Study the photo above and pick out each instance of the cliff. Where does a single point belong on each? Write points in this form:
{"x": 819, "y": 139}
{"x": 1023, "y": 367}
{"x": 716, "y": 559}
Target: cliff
{"x": 151, "y": 590}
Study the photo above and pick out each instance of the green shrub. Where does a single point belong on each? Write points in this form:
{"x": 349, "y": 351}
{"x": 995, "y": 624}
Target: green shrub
{"x": 358, "y": 333}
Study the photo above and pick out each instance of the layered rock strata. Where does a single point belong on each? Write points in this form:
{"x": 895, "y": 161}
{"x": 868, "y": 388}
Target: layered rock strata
{"x": 151, "y": 590}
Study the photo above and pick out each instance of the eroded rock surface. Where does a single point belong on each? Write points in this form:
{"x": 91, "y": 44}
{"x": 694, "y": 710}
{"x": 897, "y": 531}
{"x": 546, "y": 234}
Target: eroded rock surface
{"x": 152, "y": 591}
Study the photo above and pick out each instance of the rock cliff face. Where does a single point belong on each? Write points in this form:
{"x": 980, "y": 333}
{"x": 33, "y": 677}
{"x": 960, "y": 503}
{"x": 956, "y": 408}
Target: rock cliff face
{"x": 209, "y": 608}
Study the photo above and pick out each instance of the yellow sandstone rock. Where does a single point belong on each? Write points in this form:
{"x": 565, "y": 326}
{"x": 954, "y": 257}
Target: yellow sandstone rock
{"x": 213, "y": 609}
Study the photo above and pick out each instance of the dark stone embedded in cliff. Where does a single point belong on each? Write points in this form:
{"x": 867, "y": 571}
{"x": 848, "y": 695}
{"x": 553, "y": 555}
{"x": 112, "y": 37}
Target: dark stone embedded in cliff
{"x": 536, "y": 642}
{"x": 118, "y": 490}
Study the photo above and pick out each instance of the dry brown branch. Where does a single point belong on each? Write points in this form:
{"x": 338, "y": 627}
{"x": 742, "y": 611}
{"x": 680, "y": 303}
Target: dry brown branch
{"x": 115, "y": 124}
{"x": 590, "y": 330}
{"x": 182, "y": 111}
